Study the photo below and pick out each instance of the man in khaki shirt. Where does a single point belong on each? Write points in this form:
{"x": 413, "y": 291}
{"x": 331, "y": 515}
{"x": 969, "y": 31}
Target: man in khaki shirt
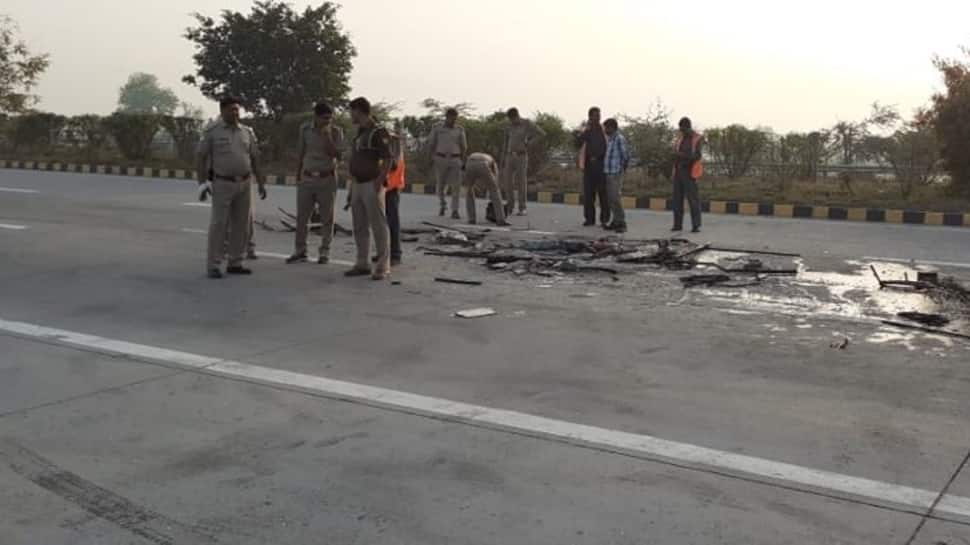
{"x": 481, "y": 170}
{"x": 231, "y": 151}
{"x": 316, "y": 177}
{"x": 448, "y": 146}
{"x": 518, "y": 135}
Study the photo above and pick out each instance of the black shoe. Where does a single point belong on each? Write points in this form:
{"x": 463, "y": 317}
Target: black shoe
{"x": 323, "y": 260}
{"x": 296, "y": 258}
{"x": 607, "y": 226}
{"x": 357, "y": 272}
{"x": 373, "y": 259}
{"x": 238, "y": 270}
{"x": 503, "y": 224}
{"x": 214, "y": 273}
{"x": 442, "y": 211}
{"x": 695, "y": 230}
{"x": 395, "y": 261}
{"x": 676, "y": 229}
{"x": 455, "y": 215}
{"x": 251, "y": 256}
{"x": 589, "y": 223}
{"x": 621, "y": 228}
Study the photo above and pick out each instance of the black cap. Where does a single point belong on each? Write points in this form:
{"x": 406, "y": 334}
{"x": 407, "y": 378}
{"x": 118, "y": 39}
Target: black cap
{"x": 360, "y": 104}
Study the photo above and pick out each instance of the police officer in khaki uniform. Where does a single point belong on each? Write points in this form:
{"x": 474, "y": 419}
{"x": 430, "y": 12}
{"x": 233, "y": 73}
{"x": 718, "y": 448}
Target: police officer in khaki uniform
{"x": 370, "y": 162}
{"x": 230, "y": 149}
{"x": 316, "y": 177}
{"x": 518, "y": 135}
{"x": 481, "y": 170}
{"x": 448, "y": 146}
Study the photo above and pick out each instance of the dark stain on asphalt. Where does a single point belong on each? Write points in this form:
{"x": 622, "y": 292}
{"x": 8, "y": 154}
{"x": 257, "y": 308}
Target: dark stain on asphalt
{"x": 334, "y": 441}
{"x": 97, "y": 501}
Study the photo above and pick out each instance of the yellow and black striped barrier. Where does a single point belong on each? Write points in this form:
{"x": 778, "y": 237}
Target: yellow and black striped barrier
{"x": 837, "y": 213}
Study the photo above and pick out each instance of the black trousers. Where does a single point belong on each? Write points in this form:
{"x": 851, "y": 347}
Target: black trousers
{"x": 685, "y": 186}
{"x": 392, "y": 207}
{"x": 594, "y": 186}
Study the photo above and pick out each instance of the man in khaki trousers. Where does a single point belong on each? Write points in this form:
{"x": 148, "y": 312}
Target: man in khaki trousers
{"x": 370, "y": 161}
{"x": 230, "y": 149}
{"x": 320, "y": 143}
{"x": 448, "y": 146}
{"x": 481, "y": 170}
{"x": 518, "y": 135}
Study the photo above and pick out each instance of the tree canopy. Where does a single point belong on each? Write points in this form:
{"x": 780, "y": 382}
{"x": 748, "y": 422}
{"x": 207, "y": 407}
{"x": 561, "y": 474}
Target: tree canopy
{"x": 276, "y": 60}
{"x": 142, "y": 94}
{"x": 19, "y": 70}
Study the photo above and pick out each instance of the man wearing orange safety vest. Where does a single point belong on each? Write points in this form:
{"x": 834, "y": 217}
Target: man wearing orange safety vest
{"x": 688, "y": 168}
{"x": 392, "y": 196}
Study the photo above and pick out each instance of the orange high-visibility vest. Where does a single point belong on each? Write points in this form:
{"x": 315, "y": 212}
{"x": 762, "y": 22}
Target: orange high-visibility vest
{"x": 697, "y": 169}
{"x": 395, "y": 178}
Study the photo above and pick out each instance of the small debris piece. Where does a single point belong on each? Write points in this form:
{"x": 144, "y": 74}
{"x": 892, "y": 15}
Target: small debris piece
{"x": 452, "y": 237}
{"x": 928, "y": 277}
{"x": 932, "y": 320}
{"x": 840, "y": 344}
{"x": 476, "y": 313}
{"x": 753, "y": 252}
{"x": 927, "y": 329}
{"x": 395, "y": 282}
{"x": 458, "y": 281}
{"x": 704, "y": 280}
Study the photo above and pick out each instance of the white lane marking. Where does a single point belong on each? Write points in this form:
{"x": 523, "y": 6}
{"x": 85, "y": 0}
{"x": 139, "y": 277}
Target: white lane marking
{"x": 505, "y": 229}
{"x": 196, "y": 231}
{"x": 921, "y": 262}
{"x": 17, "y": 190}
{"x": 12, "y": 227}
{"x": 198, "y": 204}
{"x": 682, "y": 454}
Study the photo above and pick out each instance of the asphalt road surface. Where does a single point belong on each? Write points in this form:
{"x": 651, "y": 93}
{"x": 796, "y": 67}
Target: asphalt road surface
{"x": 141, "y": 403}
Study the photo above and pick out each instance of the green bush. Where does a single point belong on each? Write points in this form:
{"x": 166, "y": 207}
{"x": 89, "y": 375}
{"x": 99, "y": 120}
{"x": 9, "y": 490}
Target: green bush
{"x": 133, "y": 133}
{"x": 36, "y": 131}
{"x": 88, "y": 134}
{"x": 185, "y": 131}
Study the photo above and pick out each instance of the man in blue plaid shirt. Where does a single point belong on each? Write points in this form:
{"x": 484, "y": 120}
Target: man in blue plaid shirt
{"x": 615, "y": 165}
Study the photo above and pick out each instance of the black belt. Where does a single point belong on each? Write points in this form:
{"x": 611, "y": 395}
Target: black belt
{"x": 449, "y": 155}
{"x": 319, "y": 173}
{"x": 237, "y": 179}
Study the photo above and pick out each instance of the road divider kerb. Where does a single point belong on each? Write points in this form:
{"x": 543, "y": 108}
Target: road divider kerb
{"x": 779, "y": 210}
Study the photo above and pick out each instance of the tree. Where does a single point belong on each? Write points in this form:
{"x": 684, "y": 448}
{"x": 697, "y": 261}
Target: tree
{"x": 134, "y": 133}
{"x": 142, "y": 94}
{"x": 36, "y": 131}
{"x": 951, "y": 118}
{"x": 185, "y": 132}
{"x": 277, "y": 61}
{"x": 541, "y": 150}
{"x": 651, "y": 138}
{"x": 19, "y": 70}
{"x": 89, "y": 133}
{"x": 735, "y": 147}
{"x": 912, "y": 151}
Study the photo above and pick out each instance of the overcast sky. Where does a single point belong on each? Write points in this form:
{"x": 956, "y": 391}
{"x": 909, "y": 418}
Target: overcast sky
{"x": 788, "y": 65}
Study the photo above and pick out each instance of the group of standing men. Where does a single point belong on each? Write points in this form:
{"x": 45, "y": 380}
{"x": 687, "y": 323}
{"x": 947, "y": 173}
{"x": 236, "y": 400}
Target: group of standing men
{"x": 229, "y": 163}
{"x": 604, "y": 157}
